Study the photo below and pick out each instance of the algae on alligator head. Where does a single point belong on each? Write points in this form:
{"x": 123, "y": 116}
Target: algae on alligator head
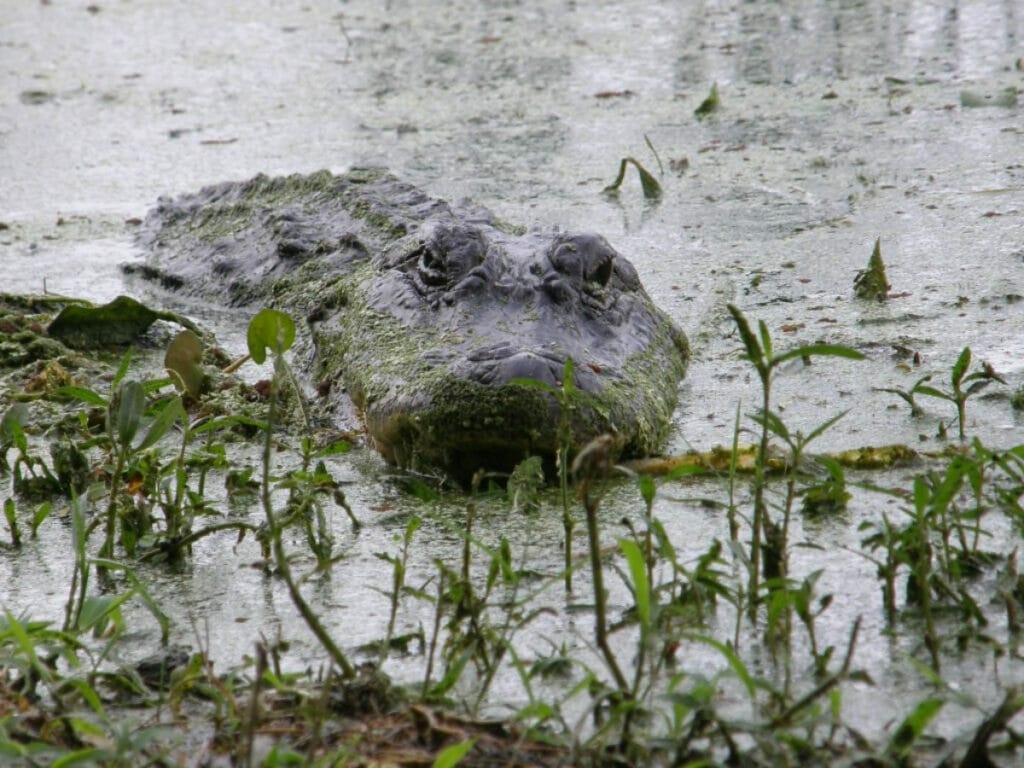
{"x": 428, "y": 314}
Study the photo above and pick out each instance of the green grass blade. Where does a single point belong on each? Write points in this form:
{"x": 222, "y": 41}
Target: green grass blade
{"x": 819, "y": 350}
{"x": 638, "y": 575}
{"x": 734, "y": 661}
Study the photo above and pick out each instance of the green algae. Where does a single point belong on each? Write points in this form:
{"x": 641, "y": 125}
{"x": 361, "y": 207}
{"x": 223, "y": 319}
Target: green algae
{"x": 118, "y": 322}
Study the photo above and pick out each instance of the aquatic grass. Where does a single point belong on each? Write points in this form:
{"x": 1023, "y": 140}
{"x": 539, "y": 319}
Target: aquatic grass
{"x": 39, "y": 480}
{"x": 962, "y": 385}
{"x": 650, "y": 186}
{"x": 568, "y": 398}
{"x": 760, "y": 354}
{"x": 663, "y": 707}
{"x": 909, "y": 396}
{"x": 12, "y": 522}
{"x": 398, "y": 570}
{"x": 938, "y": 549}
{"x": 274, "y": 332}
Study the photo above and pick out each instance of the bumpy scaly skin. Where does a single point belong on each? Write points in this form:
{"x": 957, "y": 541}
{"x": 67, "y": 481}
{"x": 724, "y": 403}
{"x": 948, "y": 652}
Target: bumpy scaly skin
{"x": 427, "y": 313}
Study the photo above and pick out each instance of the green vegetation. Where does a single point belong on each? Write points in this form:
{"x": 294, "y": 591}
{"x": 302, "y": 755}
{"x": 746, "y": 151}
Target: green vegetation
{"x": 716, "y": 652}
{"x": 871, "y": 283}
{"x": 649, "y": 184}
{"x": 710, "y": 104}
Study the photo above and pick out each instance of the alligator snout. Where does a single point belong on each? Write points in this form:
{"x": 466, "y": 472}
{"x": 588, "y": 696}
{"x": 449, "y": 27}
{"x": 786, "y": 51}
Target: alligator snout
{"x": 506, "y": 363}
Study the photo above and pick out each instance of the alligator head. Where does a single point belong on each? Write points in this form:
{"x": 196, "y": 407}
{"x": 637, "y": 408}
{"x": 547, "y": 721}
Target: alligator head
{"x": 452, "y": 334}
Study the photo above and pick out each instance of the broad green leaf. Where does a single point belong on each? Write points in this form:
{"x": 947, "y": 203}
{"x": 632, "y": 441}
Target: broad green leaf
{"x": 124, "y": 413}
{"x": 11, "y": 424}
{"x": 930, "y": 391}
{"x": 453, "y": 673}
{"x": 98, "y": 609}
{"x": 139, "y": 589}
{"x": 766, "y": 339}
{"x": 122, "y": 369}
{"x": 821, "y": 428}
{"x": 82, "y": 394}
{"x": 88, "y": 694}
{"x": 88, "y": 756}
{"x": 184, "y": 357}
{"x": 41, "y": 514}
{"x": 169, "y": 414}
{"x": 835, "y": 697}
{"x": 533, "y": 384}
{"x": 19, "y": 632}
{"x": 922, "y": 494}
{"x": 750, "y": 342}
{"x": 452, "y": 756}
{"x": 269, "y": 329}
{"x": 773, "y": 422}
{"x": 647, "y": 489}
{"x": 960, "y": 366}
{"x": 912, "y": 728}
{"x": 537, "y": 710}
{"x": 734, "y": 661}
{"x": 685, "y": 470}
{"x": 119, "y": 322}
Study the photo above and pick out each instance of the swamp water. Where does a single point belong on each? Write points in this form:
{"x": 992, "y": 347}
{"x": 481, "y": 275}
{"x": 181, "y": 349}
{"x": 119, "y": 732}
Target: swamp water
{"x": 838, "y": 123}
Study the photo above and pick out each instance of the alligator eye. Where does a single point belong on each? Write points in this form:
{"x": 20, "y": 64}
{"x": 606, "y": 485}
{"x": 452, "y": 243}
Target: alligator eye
{"x": 566, "y": 260}
{"x": 449, "y": 255}
{"x": 601, "y": 272}
{"x": 432, "y": 267}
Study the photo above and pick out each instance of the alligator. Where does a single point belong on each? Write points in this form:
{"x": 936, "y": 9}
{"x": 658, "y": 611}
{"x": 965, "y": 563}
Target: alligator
{"x": 448, "y": 329}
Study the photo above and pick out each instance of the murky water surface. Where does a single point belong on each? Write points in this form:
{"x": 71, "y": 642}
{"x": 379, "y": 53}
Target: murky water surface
{"x": 839, "y": 123}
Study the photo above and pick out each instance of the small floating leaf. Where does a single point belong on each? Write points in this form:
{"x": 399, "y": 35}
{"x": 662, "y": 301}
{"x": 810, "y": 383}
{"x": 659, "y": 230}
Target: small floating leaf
{"x": 649, "y": 184}
{"x": 709, "y": 105}
{"x": 184, "y": 355}
{"x": 872, "y": 283}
